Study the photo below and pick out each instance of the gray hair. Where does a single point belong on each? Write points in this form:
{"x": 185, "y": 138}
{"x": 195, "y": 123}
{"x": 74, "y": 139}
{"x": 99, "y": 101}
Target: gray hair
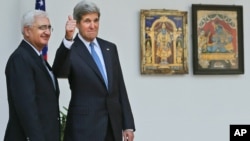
{"x": 84, "y": 7}
{"x": 29, "y": 18}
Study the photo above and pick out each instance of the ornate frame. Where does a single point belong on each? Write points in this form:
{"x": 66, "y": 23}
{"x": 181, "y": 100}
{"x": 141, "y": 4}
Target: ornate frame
{"x": 163, "y": 41}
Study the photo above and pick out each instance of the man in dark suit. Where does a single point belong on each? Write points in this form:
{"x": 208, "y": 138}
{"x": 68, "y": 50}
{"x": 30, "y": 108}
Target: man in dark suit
{"x": 99, "y": 108}
{"x": 32, "y": 88}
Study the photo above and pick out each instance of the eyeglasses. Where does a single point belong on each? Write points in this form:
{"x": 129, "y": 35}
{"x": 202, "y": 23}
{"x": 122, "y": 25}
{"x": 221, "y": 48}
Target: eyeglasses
{"x": 45, "y": 27}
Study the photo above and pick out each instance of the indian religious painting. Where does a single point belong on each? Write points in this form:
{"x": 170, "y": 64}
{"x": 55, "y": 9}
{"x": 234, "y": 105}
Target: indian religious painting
{"x": 217, "y": 39}
{"x": 163, "y": 42}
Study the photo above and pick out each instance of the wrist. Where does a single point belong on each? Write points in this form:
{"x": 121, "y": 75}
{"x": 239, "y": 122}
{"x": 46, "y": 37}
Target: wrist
{"x": 68, "y": 39}
{"x": 131, "y": 130}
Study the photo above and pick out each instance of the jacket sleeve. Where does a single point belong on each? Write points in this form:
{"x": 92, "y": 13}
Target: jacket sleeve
{"x": 128, "y": 119}
{"x": 22, "y": 96}
{"x": 61, "y": 65}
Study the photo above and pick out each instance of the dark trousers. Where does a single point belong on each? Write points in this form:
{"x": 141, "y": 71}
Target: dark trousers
{"x": 110, "y": 135}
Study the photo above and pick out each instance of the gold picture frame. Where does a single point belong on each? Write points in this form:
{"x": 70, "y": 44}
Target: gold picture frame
{"x": 163, "y": 41}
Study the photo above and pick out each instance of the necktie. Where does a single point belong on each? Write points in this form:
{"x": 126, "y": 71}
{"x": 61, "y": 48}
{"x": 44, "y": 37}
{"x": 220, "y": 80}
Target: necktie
{"x": 43, "y": 61}
{"x": 50, "y": 73}
{"x": 98, "y": 62}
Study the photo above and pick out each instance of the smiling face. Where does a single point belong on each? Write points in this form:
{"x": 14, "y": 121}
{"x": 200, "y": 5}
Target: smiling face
{"x": 38, "y": 33}
{"x": 89, "y": 26}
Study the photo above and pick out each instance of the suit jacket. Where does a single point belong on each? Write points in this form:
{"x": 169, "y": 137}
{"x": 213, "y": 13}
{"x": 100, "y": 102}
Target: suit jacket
{"x": 92, "y": 104}
{"x": 32, "y": 97}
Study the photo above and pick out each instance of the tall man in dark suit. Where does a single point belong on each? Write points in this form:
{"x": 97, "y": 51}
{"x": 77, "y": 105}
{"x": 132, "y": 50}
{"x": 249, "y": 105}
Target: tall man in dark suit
{"x": 99, "y": 108}
{"x": 32, "y": 88}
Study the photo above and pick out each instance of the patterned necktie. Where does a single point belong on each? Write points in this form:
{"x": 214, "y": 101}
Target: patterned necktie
{"x": 98, "y": 62}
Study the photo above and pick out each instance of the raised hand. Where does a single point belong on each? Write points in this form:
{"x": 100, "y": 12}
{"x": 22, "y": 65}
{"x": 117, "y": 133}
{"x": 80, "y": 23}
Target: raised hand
{"x": 70, "y": 28}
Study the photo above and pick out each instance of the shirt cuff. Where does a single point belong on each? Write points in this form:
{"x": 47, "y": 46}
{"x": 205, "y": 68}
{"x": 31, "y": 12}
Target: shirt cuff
{"x": 129, "y": 130}
{"x": 67, "y": 43}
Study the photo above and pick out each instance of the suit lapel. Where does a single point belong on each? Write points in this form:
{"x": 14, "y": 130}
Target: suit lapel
{"x": 107, "y": 60}
{"x": 33, "y": 54}
{"x": 83, "y": 52}
{"x": 38, "y": 60}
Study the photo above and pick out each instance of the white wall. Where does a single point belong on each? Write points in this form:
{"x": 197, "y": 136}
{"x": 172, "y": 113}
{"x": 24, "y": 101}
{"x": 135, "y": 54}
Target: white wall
{"x": 177, "y": 108}
{"x": 9, "y": 37}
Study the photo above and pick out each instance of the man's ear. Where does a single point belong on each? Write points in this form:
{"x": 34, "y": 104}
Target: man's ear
{"x": 26, "y": 31}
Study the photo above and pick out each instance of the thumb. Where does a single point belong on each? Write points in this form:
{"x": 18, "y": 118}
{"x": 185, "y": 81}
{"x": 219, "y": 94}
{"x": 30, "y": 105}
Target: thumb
{"x": 70, "y": 17}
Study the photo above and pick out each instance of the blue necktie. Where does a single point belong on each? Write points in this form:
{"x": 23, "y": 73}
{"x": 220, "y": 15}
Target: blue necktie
{"x": 98, "y": 62}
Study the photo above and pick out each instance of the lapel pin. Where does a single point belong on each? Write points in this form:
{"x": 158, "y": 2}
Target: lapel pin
{"x": 107, "y": 49}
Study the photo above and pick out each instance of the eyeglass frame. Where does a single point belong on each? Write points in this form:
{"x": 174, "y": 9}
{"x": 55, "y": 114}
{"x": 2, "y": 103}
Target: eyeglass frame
{"x": 43, "y": 27}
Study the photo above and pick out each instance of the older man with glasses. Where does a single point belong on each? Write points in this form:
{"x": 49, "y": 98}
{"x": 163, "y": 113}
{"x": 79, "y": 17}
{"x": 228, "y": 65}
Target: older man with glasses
{"x": 31, "y": 86}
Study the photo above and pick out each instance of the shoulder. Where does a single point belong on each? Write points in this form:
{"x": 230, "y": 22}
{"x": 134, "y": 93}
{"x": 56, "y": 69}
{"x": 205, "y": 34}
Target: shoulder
{"x": 23, "y": 53}
{"x": 103, "y": 41}
{"x": 18, "y": 54}
{"x": 17, "y": 58}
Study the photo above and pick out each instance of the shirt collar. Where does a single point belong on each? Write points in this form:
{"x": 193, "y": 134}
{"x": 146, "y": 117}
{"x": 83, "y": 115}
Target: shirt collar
{"x": 86, "y": 42}
{"x": 38, "y": 53}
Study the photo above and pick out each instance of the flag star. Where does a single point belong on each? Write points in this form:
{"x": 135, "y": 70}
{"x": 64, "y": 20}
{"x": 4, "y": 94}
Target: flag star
{"x": 41, "y": 3}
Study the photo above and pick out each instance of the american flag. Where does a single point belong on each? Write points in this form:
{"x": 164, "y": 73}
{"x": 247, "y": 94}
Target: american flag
{"x": 40, "y": 5}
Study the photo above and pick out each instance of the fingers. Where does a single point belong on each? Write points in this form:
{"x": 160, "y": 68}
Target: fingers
{"x": 70, "y": 27}
{"x": 128, "y": 136}
{"x": 70, "y": 17}
{"x": 71, "y": 23}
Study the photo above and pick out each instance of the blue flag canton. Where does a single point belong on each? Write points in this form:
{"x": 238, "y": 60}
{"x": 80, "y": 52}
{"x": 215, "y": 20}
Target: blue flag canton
{"x": 40, "y": 5}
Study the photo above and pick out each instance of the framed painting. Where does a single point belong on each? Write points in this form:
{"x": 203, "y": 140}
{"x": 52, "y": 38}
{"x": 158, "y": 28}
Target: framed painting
{"x": 163, "y": 41}
{"x": 217, "y": 39}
